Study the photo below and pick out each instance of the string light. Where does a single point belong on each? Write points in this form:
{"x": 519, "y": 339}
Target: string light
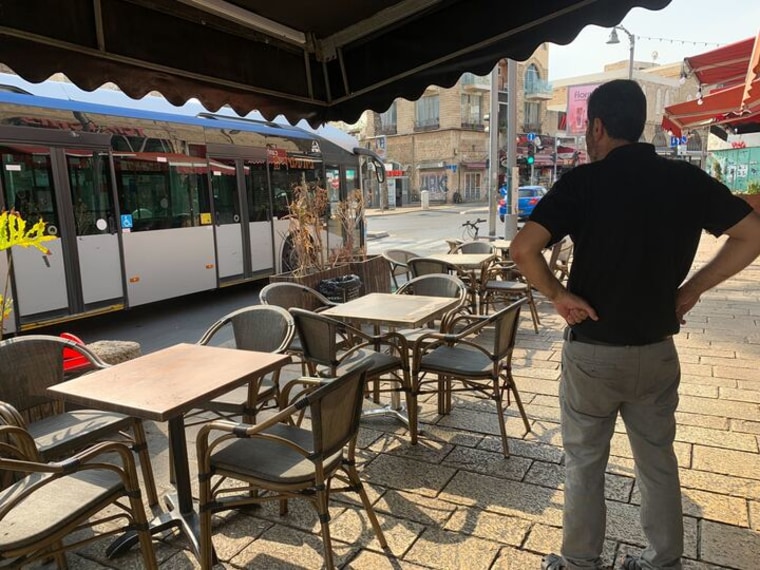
{"x": 682, "y": 42}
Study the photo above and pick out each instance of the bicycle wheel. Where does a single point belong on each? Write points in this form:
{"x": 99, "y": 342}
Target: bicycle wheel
{"x": 468, "y": 233}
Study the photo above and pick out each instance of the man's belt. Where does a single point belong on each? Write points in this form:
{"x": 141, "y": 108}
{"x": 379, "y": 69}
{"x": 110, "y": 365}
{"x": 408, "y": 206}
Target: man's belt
{"x": 573, "y": 336}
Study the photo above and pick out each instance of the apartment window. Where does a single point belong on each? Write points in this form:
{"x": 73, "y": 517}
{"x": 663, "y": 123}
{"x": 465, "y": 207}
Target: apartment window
{"x": 426, "y": 112}
{"x": 472, "y": 186}
{"x": 472, "y": 110}
{"x": 532, "y": 112}
{"x": 388, "y": 120}
{"x": 532, "y": 79}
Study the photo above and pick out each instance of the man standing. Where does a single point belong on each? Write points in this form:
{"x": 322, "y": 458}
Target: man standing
{"x": 636, "y": 220}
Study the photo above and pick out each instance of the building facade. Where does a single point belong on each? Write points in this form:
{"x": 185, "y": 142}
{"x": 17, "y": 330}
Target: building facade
{"x": 440, "y": 142}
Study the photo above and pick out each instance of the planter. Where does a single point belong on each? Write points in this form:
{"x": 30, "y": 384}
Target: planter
{"x": 373, "y": 272}
{"x": 753, "y": 200}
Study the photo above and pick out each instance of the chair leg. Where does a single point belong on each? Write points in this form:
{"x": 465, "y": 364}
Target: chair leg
{"x": 533, "y": 311}
{"x": 141, "y": 446}
{"x": 511, "y": 386}
{"x": 500, "y": 414}
{"x": 356, "y": 483}
{"x": 324, "y": 518}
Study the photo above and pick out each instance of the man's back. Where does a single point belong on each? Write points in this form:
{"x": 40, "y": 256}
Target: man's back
{"x": 636, "y": 220}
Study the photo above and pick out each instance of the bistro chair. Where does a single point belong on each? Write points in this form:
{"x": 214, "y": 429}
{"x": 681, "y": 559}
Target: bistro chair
{"x": 425, "y": 265}
{"x": 398, "y": 263}
{"x": 474, "y": 247}
{"x": 559, "y": 259}
{"x": 289, "y": 295}
{"x": 263, "y": 328}
{"x": 41, "y": 503}
{"x": 478, "y": 358}
{"x": 503, "y": 282}
{"x": 28, "y": 366}
{"x": 386, "y": 353}
{"x": 277, "y": 461}
{"x": 434, "y": 285}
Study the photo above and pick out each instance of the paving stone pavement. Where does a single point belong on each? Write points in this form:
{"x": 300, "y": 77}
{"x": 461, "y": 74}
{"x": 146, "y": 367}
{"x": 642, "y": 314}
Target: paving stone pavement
{"x": 454, "y": 501}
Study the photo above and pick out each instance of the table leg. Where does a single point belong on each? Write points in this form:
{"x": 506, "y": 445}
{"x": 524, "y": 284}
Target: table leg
{"x": 180, "y": 514}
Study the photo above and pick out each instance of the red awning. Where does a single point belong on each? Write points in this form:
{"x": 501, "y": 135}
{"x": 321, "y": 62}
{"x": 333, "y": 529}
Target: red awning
{"x": 736, "y": 69}
{"x": 726, "y": 65}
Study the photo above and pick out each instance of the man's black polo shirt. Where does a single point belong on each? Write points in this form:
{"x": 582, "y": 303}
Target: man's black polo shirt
{"x": 635, "y": 219}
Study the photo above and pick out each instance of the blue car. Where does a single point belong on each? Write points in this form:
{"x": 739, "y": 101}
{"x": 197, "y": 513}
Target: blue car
{"x": 528, "y": 197}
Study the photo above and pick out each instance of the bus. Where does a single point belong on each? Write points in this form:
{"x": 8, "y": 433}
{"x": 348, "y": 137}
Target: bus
{"x": 147, "y": 204}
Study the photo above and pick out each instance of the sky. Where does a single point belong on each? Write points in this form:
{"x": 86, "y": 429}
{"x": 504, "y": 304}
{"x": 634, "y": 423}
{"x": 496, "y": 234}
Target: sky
{"x": 682, "y": 29}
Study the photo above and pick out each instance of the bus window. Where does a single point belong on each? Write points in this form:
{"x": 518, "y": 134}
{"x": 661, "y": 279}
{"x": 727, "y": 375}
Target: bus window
{"x": 90, "y": 192}
{"x": 161, "y": 192}
{"x": 257, "y": 190}
{"x": 27, "y": 179}
{"x": 225, "y": 188}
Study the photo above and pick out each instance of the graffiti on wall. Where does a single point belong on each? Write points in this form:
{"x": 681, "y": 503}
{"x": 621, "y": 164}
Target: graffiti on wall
{"x": 436, "y": 183}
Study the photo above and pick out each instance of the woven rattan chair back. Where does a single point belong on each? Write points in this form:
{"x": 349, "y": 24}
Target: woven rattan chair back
{"x": 289, "y": 295}
{"x": 29, "y": 365}
{"x": 335, "y": 410}
{"x": 435, "y": 285}
{"x": 264, "y": 328}
{"x": 505, "y": 323}
{"x": 474, "y": 247}
{"x": 398, "y": 262}
{"x": 424, "y": 266}
{"x": 318, "y": 335}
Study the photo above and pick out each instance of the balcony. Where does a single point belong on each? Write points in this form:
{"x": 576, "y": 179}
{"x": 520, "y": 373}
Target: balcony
{"x": 427, "y": 125}
{"x": 472, "y": 82}
{"x": 389, "y": 129}
{"x": 538, "y": 90}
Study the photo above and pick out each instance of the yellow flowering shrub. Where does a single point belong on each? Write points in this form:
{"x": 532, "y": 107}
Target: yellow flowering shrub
{"x": 14, "y": 232}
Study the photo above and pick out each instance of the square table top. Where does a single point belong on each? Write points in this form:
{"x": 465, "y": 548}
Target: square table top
{"x": 169, "y": 382}
{"x": 464, "y": 260}
{"x": 393, "y": 310}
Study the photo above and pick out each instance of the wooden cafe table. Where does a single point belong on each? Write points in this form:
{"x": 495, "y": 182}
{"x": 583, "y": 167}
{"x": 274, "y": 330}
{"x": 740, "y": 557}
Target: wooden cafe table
{"x": 408, "y": 311}
{"x": 163, "y": 386}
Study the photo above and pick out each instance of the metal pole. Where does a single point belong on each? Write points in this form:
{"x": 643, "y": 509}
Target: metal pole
{"x": 632, "y": 40}
{"x": 510, "y": 220}
{"x": 493, "y": 151}
{"x": 556, "y": 150}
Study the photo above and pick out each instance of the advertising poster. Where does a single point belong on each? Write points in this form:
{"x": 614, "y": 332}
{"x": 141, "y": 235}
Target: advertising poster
{"x": 577, "y": 96}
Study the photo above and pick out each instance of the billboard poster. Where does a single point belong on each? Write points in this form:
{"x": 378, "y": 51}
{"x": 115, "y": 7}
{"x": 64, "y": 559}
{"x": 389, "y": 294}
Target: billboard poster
{"x": 577, "y": 96}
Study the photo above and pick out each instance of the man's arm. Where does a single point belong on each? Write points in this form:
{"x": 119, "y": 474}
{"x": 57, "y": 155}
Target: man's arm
{"x": 526, "y": 251}
{"x": 741, "y": 249}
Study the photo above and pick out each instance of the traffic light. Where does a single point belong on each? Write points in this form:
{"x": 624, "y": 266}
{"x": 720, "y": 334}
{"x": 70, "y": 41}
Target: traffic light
{"x": 531, "y": 155}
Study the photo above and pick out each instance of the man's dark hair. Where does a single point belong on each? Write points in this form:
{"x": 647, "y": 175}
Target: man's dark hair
{"x": 622, "y": 107}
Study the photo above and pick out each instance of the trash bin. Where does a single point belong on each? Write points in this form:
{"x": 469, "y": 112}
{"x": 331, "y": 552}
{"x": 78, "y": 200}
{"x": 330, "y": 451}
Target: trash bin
{"x": 340, "y": 289}
{"x": 425, "y": 199}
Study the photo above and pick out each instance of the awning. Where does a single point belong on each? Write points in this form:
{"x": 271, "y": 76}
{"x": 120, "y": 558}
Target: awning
{"x": 320, "y": 61}
{"x": 737, "y": 99}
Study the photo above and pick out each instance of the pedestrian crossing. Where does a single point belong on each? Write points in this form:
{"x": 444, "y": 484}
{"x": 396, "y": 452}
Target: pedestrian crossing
{"x": 423, "y": 247}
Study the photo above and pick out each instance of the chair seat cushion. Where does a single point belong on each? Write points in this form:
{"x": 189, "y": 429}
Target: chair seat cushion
{"x": 267, "y": 460}
{"x": 53, "y": 505}
{"x": 457, "y": 360}
{"x": 380, "y": 362}
{"x": 59, "y": 435}
{"x": 507, "y": 286}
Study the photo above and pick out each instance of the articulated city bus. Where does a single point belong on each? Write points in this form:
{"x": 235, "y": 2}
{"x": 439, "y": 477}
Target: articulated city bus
{"x": 149, "y": 205}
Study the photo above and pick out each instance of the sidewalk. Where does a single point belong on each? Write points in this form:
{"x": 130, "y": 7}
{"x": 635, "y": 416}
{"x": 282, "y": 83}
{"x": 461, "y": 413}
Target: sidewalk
{"x": 454, "y": 502}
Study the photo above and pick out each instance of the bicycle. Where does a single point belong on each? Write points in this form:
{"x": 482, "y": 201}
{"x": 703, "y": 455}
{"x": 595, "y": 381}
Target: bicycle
{"x": 471, "y": 229}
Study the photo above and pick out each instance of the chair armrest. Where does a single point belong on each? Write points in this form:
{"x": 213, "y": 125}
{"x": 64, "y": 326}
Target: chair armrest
{"x": 308, "y": 383}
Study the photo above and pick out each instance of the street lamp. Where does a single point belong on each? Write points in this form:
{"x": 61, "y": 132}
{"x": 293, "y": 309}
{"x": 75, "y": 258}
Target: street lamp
{"x": 631, "y": 39}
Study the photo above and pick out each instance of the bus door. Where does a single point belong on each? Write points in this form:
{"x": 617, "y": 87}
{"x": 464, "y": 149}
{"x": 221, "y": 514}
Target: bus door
{"x": 70, "y": 190}
{"x": 260, "y": 227}
{"x": 229, "y": 216}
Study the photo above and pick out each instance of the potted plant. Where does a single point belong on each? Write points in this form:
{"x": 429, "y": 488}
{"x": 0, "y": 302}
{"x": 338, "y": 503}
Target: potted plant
{"x": 13, "y": 233}
{"x": 309, "y": 260}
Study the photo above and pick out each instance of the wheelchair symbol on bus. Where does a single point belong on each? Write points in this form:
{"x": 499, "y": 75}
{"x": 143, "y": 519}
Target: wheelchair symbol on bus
{"x": 126, "y": 221}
